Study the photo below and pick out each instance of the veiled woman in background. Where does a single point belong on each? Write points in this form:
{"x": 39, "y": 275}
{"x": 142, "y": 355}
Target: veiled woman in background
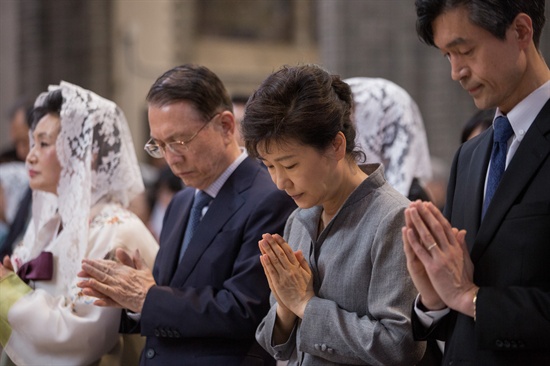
{"x": 84, "y": 173}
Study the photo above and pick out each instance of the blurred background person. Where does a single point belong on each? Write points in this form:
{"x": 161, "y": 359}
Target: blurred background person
{"x": 83, "y": 172}
{"x": 18, "y": 195}
{"x": 165, "y": 187}
{"x": 239, "y": 103}
{"x": 391, "y": 131}
{"x": 479, "y": 122}
{"x": 14, "y": 183}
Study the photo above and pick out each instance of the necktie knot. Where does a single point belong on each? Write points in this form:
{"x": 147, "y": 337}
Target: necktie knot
{"x": 202, "y": 199}
{"x": 503, "y": 130}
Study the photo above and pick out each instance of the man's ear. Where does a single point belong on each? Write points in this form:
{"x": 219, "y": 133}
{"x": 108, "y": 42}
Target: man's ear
{"x": 227, "y": 122}
{"x": 523, "y": 29}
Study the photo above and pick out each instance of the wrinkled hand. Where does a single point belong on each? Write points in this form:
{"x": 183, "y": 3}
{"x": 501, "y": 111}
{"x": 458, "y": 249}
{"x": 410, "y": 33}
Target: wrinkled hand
{"x": 123, "y": 283}
{"x": 288, "y": 274}
{"x": 447, "y": 266}
{"x": 6, "y": 267}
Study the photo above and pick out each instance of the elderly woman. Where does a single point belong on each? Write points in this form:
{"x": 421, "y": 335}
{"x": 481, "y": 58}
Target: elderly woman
{"x": 83, "y": 172}
{"x": 340, "y": 289}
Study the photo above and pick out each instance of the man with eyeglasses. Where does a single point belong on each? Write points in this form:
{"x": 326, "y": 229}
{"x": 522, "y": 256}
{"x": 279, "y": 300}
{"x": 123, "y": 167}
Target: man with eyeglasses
{"x": 207, "y": 291}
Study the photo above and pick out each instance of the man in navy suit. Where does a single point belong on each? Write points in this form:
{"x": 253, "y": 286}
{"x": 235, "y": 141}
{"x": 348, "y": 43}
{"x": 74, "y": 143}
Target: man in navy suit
{"x": 485, "y": 289}
{"x": 207, "y": 292}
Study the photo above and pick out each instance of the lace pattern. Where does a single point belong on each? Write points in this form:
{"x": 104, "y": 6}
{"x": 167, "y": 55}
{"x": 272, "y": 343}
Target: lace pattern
{"x": 98, "y": 161}
{"x": 390, "y": 130}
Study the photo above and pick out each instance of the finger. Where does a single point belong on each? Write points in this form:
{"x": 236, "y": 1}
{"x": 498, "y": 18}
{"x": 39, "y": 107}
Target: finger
{"x": 107, "y": 302}
{"x": 138, "y": 261}
{"x": 123, "y": 257}
{"x": 442, "y": 222}
{"x": 418, "y": 248}
{"x": 94, "y": 270}
{"x": 99, "y": 288}
{"x": 87, "y": 291}
{"x": 302, "y": 260}
{"x": 270, "y": 270}
{"x": 461, "y": 238}
{"x": 287, "y": 249}
{"x": 7, "y": 262}
{"x": 427, "y": 238}
{"x": 275, "y": 252}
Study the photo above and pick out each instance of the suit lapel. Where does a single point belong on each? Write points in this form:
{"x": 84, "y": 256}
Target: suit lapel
{"x": 474, "y": 193}
{"x": 531, "y": 153}
{"x": 174, "y": 238}
{"x": 223, "y": 207}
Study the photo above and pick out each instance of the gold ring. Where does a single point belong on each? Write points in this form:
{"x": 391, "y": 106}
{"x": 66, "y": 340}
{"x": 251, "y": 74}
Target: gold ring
{"x": 432, "y": 246}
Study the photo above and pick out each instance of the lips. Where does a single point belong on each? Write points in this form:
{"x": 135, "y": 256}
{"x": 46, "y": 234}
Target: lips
{"x": 32, "y": 173}
{"x": 296, "y": 196}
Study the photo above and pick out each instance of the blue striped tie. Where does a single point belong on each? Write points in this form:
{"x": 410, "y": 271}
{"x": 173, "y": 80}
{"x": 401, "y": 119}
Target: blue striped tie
{"x": 201, "y": 200}
{"x": 502, "y": 133}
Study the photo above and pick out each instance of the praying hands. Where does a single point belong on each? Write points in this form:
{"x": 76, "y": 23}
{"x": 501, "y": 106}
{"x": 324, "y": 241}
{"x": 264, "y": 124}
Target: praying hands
{"x": 122, "y": 283}
{"x": 438, "y": 259}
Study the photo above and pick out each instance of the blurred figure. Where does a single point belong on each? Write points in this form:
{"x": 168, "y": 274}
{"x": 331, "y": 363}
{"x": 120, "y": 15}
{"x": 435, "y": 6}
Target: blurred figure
{"x": 390, "y": 130}
{"x": 239, "y": 103}
{"x": 14, "y": 183}
{"x": 479, "y": 122}
{"x": 83, "y": 171}
{"x": 436, "y": 187}
{"x": 160, "y": 196}
{"x": 19, "y": 127}
{"x": 22, "y": 199}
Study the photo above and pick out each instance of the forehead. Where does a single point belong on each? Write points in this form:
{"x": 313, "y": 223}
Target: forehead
{"x": 172, "y": 119}
{"x": 273, "y": 150}
{"x": 49, "y": 125}
{"x": 453, "y": 28}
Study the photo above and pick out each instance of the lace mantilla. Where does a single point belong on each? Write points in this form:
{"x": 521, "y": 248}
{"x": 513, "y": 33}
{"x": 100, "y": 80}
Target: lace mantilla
{"x": 390, "y": 130}
{"x": 98, "y": 161}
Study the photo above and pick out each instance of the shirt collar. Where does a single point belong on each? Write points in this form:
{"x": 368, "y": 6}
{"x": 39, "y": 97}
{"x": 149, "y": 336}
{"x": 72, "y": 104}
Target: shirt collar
{"x": 523, "y": 115}
{"x": 215, "y": 187}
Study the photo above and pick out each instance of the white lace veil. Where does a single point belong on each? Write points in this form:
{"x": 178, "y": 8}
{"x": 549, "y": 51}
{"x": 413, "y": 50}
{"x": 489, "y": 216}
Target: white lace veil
{"x": 98, "y": 161}
{"x": 390, "y": 130}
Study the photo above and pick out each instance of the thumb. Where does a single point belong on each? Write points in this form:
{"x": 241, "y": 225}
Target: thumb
{"x": 302, "y": 260}
{"x": 138, "y": 261}
{"x": 124, "y": 258}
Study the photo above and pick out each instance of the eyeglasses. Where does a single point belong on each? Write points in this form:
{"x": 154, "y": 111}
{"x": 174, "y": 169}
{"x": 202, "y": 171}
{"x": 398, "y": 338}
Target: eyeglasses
{"x": 158, "y": 149}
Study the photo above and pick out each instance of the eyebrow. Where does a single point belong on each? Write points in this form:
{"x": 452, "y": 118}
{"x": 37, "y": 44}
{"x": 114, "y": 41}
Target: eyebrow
{"x": 456, "y": 42}
{"x": 282, "y": 158}
{"x": 43, "y": 134}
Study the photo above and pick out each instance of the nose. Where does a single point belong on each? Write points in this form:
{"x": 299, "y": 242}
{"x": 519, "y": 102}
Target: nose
{"x": 459, "y": 70}
{"x": 31, "y": 156}
{"x": 172, "y": 157}
{"x": 281, "y": 180}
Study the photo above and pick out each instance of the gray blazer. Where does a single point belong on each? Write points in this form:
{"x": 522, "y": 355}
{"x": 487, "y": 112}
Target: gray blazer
{"x": 360, "y": 313}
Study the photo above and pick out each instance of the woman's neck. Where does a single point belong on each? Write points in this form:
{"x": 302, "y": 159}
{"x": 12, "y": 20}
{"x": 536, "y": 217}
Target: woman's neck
{"x": 352, "y": 176}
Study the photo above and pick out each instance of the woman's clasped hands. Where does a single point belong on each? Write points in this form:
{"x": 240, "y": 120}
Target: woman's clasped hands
{"x": 288, "y": 274}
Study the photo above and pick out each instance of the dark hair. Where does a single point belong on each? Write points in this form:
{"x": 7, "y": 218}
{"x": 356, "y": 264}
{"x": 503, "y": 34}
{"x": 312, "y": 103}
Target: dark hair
{"x": 495, "y": 16}
{"x": 304, "y": 103}
{"x": 482, "y": 118}
{"x": 192, "y": 83}
{"x": 51, "y": 104}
